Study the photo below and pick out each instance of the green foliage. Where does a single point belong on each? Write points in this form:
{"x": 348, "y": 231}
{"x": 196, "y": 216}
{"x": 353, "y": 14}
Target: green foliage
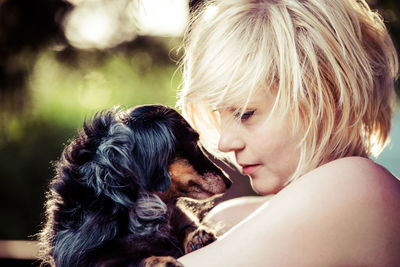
{"x": 66, "y": 95}
{"x": 62, "y": 97}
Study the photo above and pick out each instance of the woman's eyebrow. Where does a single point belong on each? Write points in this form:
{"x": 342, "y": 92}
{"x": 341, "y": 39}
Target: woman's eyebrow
{"x": 222, "y": 109}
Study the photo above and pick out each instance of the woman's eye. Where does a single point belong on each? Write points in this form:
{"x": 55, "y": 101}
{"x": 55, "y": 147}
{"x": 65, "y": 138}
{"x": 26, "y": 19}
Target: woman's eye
{"x": 245, "y": 116}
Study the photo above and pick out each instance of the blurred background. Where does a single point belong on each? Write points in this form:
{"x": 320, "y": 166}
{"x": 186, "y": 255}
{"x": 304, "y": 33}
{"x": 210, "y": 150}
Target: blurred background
{"x": 63, "y": 60}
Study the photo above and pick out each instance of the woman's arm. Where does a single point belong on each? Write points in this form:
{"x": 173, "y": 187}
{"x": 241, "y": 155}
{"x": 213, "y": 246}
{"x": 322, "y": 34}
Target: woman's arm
{"x": 229, "y": 213}
{"x": 343, "y": 213}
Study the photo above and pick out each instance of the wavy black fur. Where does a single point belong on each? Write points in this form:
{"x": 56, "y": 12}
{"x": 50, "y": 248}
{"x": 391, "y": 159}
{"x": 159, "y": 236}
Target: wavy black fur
{"x": 103, "y": 208}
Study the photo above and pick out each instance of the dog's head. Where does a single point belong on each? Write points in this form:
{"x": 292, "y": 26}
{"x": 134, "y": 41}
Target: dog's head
{"x": 147, "y": 148}
{"x": 174, "y": 162}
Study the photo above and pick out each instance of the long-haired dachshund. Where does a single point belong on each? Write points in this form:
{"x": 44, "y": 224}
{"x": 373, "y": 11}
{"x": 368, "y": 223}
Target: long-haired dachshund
{"x": 113, "y": 201}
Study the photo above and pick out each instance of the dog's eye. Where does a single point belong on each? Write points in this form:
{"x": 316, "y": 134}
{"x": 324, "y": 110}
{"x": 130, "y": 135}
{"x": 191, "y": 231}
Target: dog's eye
{"x": 194, "y": 186}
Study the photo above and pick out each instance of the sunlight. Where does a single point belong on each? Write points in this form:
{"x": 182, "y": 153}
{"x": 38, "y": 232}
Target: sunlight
{"x": 96, "y": 27}
{"x": 99, "y": 24}
{"x": 162, "y": 17}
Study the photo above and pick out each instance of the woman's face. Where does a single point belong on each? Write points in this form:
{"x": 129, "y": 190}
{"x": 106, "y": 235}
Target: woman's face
{"x": 267, "y": 150}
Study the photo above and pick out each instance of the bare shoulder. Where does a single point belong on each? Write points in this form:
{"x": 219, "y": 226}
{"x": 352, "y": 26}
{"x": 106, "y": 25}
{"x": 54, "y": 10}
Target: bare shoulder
{"x": 354, "y": 204}
{"x": 351, "y": 169}
{"x": 352, "y": 178}
{"x": 344, "y": 213}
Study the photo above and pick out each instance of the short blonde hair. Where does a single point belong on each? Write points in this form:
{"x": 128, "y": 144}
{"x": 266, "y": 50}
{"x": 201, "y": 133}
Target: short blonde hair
{"x": 330, "y": 63}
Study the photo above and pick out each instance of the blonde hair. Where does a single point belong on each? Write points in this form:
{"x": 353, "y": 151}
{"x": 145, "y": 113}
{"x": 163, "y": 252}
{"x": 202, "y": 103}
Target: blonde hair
{"x": 331, "y": 64}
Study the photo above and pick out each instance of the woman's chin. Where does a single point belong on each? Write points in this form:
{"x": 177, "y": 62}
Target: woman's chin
{"x": 266, "y": 186}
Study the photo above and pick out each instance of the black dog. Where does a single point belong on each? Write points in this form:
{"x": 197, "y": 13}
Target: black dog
{"x": 113, "y": 200}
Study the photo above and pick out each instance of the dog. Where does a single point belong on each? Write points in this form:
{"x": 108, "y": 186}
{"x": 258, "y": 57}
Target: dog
{"x": 113, "y": 200}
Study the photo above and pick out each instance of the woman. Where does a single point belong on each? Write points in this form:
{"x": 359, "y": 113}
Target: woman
{"x": 299, "y": 94}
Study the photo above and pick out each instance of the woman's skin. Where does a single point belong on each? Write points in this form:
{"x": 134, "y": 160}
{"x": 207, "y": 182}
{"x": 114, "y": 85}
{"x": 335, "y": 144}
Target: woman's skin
{"x": 265, "y": 147}
{"x": 326, "y": 70}
{"x": 343, "y": 213}
{"x": 348, "y": 218}
{"x": 231, "y": 212}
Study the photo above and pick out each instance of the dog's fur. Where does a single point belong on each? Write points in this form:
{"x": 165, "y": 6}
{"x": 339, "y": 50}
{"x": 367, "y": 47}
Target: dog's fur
{"x": 113, "y": 199}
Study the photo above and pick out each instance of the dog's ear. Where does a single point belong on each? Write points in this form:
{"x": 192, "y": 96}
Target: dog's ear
{"x": 83, "y": 148}
{"x": 153, "y": 151}
{"x": 118, "y": 153}
{"x": 135, "y": 152}
{"x": 101, "y": 158}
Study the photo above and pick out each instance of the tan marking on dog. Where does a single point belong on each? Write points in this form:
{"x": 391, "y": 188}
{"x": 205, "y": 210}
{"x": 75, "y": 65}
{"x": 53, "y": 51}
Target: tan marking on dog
{"x": 187, "y": 182}
{"x": 160, "y": 261}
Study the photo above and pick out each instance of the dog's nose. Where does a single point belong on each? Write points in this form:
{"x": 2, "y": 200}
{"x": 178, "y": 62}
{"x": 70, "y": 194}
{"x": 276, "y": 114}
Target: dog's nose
{"x": 227, "y": 182}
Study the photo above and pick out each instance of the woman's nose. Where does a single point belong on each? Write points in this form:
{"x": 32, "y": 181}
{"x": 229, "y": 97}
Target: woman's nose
{"x": 230, "y": 141}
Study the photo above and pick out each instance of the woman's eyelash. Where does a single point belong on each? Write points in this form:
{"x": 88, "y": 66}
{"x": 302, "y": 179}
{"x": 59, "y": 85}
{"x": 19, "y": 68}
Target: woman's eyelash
{"x": 246, "y": 115}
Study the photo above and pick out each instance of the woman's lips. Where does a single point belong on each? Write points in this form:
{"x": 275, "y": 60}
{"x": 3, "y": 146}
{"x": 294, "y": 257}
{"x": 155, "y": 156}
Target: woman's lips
{"x": 249, "y": 169}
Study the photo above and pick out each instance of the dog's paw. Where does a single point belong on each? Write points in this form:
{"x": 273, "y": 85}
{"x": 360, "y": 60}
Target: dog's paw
{"x": 160, "y": 261}
{"x": 198, "y": 239}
